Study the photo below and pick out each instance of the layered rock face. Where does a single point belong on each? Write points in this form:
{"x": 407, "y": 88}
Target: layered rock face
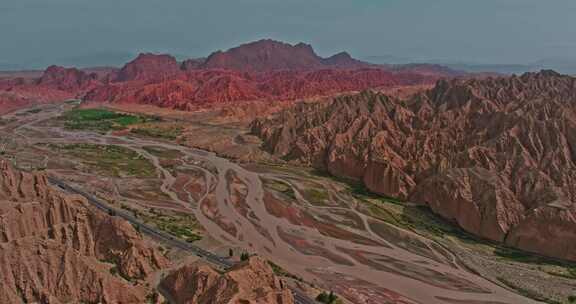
{"x": 67, "y": 79}
{"x": 54, "y": 84}
{"x": 201, "y": 87}
{"x": 147, "y": 67}
{"x": 10, "y": 101}
{"x": 262, "y": 70}
{"x": 250, "y": 282}
{"x": 54, "y": 248}
{"x": 495, "y": 155}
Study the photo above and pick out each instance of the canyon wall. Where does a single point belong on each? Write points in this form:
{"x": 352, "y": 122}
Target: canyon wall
{"x": 496, "y": 156}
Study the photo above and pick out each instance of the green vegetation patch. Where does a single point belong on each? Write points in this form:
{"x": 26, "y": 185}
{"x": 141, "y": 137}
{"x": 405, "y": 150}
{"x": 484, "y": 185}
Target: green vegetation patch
{"x": 158, "y": 131}
{"x": 108, "y": 160}
{"x": 316, "y": 196}
{"x": 419, "y": 219}
{"x": 279, "y": 187}
{"x": 180, "y": 231}
{"x": 101, "y": 120}
{"x": 549, "y": 265}
{"x": 181, "y": 225}
{"x": 526, "y": 292}
{"x": 328, "y": 298}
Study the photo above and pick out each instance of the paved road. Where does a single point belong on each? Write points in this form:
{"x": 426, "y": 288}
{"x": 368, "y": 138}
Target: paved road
{"x": 163, "y": 236}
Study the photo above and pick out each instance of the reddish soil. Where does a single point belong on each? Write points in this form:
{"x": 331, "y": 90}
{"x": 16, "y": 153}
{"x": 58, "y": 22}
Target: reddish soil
{"x": 360, "y": 291}
{"x": 209, "y": 208}
{"x": 299, "y": 217}
{"x": 307, "y": 248}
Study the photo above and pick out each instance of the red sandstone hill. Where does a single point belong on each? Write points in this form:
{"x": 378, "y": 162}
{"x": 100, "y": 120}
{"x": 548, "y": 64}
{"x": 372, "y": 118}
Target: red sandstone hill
{"x": 67, "y": 79}
{"x": 54, "y": 85}
{"x": 55, "y": 248}
{"x": 208, "y": 86}
{"x": 149, "y": 67}
{"x": 250, "y": 282}
{"x": 497, "y": 155}
{"x": 262, "y": 70}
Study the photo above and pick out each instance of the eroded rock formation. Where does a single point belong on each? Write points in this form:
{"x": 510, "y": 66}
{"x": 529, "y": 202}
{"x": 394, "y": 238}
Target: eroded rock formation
{"x": 250, "y": 282}
{"x": 497, "y": 155}
{"x": 67, "y": 79}
{"x": 54, "y": 248}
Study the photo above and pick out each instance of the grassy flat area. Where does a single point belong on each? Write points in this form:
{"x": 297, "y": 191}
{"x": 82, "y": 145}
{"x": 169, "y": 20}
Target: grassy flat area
{"x": 163, "y": 152}
{"x": 548, "y": 265}
{"x": 170, "y": 132}
{"x": 316, "y": 196}
{"x": 108, "y": 160}
{"x": 279, "y": 187}
{"x": 419, "y": 219}
{"x": 180, "y": 225}
{"x": 101, "y": 120}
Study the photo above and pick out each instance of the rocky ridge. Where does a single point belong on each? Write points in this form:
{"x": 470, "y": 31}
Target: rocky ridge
{"x": 54, "y": 248}
{"x": 250, "y": 282}
{"x": 496, "y": 155}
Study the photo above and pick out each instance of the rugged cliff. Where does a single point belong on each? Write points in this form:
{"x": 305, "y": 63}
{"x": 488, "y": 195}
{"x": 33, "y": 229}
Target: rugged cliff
{"x": 54, "y": 248}
{"x": 497, "y": 155}
{"x": 250, "y": 282}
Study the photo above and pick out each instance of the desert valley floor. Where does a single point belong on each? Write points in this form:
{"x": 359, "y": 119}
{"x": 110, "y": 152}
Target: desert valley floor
{"x": 318, "y": 231}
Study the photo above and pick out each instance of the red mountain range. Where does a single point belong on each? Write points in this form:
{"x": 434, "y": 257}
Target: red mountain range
{"x": 261, "y": 70}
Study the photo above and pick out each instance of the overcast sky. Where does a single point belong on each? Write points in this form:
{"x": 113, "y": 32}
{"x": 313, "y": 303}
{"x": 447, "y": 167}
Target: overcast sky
{"x": 37, "y": 32}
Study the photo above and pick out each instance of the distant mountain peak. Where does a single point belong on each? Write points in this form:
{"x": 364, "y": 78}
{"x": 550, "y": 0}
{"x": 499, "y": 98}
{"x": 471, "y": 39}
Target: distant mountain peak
{"x": 345, "y": 55}
{"x": 265, "y": 55}
{"x": 269, "y": 55}
{"x": 344, "y": 60}
{"x": 147, "y": 66}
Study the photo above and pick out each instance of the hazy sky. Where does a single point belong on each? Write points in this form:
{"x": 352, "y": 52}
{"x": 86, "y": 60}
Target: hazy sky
{"x": 36, "y": 32}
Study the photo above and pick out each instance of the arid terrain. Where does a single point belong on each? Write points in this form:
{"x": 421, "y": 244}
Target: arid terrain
{"x": 269, "y": 174}
{"x": 495, "y": 155}
{"x": 318, "y": 232}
